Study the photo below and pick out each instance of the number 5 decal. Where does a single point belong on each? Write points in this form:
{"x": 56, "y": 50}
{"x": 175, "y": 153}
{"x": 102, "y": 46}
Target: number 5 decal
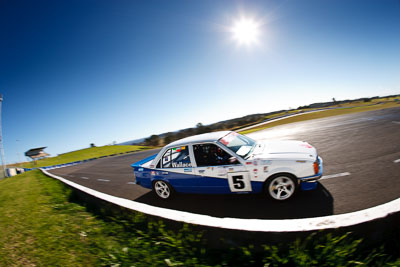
{"x": 239, "y": 182}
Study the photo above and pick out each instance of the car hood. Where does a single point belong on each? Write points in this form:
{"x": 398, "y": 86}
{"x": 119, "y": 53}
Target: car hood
{"x": 284, "y": 150}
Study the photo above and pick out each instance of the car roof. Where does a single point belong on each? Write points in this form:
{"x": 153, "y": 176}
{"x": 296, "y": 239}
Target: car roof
{"x": 200, "y": 138}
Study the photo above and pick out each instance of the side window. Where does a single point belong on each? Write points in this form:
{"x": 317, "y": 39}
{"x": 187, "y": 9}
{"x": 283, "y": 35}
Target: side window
{"x": 166, "y": 159}
{"x": 212, "y": 155}
{"x": 177, "y": 157}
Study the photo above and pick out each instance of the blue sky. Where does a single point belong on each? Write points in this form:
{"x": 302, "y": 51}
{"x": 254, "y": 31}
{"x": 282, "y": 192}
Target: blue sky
{"x": 79, "y": 72}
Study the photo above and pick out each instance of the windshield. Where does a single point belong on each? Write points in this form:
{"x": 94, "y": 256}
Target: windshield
{"x": 240, "y": 144}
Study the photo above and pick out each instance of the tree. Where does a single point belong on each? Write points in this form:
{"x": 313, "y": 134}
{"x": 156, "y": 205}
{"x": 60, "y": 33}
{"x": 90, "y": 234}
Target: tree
{"x": 200, "y": 128}
{"x": 168, "y": 138}
{"x": 153, "y": 140}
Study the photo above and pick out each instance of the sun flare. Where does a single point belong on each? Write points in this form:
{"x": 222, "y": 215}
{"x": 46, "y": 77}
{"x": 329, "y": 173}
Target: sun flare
{"x": 246, "y": 31}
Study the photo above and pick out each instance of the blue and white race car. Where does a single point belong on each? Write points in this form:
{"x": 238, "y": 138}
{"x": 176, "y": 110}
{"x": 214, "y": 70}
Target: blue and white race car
{"x": 226, "y": 162}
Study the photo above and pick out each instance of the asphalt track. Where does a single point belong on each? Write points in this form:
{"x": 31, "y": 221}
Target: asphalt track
{"x": 361, "y": 155}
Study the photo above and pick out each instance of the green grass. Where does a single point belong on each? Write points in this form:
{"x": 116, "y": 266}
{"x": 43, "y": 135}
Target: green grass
{"x": 323, "y": 114}
{"x": 39, "y": 226}
{"x": 44, "y": 223}
{"x": 83, "y": 154}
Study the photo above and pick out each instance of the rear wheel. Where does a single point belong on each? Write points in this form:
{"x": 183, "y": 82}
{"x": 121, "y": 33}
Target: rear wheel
{"x": 280, "y": 187}
{"x": 162, "y": 189}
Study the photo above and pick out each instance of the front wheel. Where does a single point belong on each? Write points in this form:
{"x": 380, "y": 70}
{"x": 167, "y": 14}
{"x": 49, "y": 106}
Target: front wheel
{"x": 162, "y": 189}
{"x": 280, "y": 187}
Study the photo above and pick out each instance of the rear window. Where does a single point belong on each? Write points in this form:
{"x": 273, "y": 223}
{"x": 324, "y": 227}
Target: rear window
{"x": 177, "y": 157}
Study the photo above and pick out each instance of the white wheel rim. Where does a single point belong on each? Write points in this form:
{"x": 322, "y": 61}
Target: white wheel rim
{"x": 281, "y": 188}
{"x": 162, "y": 189}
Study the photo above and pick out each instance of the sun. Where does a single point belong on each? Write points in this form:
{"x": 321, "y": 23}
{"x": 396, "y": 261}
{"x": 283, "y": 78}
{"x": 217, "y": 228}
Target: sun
{"x": 246, "y": 31}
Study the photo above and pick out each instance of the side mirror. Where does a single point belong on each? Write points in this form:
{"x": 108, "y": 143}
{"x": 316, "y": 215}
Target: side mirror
{"x": 233, "y": 160}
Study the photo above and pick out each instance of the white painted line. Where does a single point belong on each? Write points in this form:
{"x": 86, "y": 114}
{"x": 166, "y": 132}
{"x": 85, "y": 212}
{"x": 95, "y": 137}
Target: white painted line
{"x": 257, "y": 225}
{"x": 86, "y": 178}
{"x": 131, "y": 183}
{"x": 396, "y": 161}
{"x": 397, "y": 122}
{"x": 335, "y": 175}
{"x": 103, "y": 180}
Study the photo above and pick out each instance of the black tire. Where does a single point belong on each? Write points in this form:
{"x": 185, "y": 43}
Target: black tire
{"x": 281, "y": 186}
{"x": 163, "y": 190}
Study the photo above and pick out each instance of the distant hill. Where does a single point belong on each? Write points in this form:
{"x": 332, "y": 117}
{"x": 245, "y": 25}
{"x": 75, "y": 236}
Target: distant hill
{"x": 238, "y": 123}
{"x": 132, "y": 142}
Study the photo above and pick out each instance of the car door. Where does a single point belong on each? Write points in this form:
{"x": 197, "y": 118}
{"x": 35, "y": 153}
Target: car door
{"x": 221, "y": 171}
{"x": 175, "y": 166}
{"x": 239, "y": 178}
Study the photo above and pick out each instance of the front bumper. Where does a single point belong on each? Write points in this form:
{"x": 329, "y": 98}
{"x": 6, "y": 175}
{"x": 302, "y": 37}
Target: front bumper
{"x": 305, "y": 186}
{"x": 315, "y": 177}
{"x": 310, "y": 182}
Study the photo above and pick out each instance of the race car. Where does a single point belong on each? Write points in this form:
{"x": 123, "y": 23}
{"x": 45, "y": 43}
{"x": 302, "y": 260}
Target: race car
{"x": 226, "y": 162}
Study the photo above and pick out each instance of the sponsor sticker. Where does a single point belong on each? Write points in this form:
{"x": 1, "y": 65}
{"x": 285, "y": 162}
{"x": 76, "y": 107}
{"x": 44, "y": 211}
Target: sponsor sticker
{"x": 265, "y": 168}
{"x": 306, "y": 145}
{"x": 248, "y": 163}
{"x": 153, "y": 173}
{"x": 231, "y": 169}
{"x": 228, "y": 138}
{"x": 221, "y": 171}
{"x": 140, "y": 169}
{"x": 181, "y": 165}
{"x": 223, "y": 141}
{"x": 187, "y": 170}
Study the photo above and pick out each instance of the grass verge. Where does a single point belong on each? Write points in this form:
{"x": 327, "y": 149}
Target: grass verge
{"x": 323, "y": 114}
{"x": 87, "y": 153}
{"x": 44, "y": 223}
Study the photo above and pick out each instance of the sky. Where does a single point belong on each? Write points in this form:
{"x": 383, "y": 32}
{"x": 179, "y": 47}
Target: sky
{"x": 74, "y": 72}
